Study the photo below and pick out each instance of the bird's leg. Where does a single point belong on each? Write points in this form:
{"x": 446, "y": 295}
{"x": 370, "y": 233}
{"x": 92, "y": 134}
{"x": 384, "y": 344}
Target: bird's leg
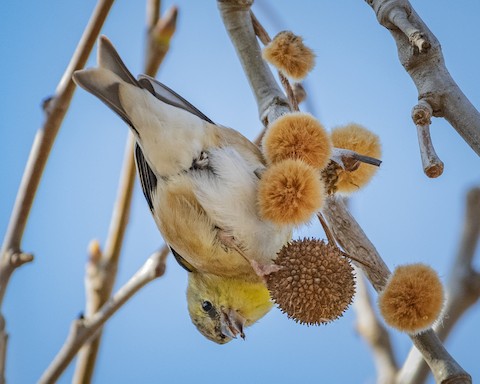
{"x": 229, "y": 241}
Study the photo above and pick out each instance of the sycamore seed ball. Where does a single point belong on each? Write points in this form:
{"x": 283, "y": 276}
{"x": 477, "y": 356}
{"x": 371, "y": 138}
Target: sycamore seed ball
{"x": 412, "y": 299}
{"x": 289, "y": 55}
{"x": 290, "y": 192}
{"x": 358, "y": 139}
{"x": 297, "y": 136}
{"x": 315, "y": 284}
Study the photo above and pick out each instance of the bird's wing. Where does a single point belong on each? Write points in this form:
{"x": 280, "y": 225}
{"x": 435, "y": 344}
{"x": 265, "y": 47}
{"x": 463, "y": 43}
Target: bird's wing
{"x": 181, "y": 261}
{"x": 148, "y": 180}
{"x": 167, "y": 95}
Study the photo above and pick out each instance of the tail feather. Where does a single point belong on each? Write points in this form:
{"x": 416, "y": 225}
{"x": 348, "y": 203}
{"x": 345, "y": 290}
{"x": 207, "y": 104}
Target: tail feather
{"x": 109, "y": 58}
{"x": 103, "y": 84}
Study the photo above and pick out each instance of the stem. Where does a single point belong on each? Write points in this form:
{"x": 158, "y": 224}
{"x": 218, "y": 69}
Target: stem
{"x": 55, "y": 109}
{"x": 102, "y": 271}
{"x": 83, "y": 329}
{"x": 421, "y": 114}
{"x": 374, "y": 333}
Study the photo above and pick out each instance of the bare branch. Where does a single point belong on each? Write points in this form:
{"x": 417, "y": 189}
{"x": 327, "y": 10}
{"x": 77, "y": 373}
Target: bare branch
{"x": 421, "y": 55}
{"x": 102, "y": 270}
{"x": 374, "y": 333}
{"x": 270, "y": 99}
{"x": 352, "y": 238}
{"x": 102, "y": 266}
{"x": 55, "y": 110}
{"x": 238, "y": 23}
{"x": 421, "y": 114}
{"x": 158, "y": 39}
{"x": 463, "y": 288}
{"x": 85, "y": 328}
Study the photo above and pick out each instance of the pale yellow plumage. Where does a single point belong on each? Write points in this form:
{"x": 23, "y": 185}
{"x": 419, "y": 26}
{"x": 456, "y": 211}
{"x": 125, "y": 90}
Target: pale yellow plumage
{"x": 200, "y": 182}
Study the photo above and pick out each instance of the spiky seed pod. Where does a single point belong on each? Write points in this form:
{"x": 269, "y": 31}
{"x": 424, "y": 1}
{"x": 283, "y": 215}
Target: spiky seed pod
{"x": 289, "y": 55}
{"x": 297, "y": 136}
{"x": 315, "y": 284}
{"x": 358, "y": 139}
{"x": 290, "y": 192}
{"x": 412, "y": 299}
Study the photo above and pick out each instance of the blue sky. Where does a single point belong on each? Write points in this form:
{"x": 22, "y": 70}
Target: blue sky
{"x": 357, "y": 78}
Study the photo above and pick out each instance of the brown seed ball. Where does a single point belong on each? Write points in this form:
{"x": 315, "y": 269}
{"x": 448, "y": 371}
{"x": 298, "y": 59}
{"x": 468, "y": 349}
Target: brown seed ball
{"x": 290, "y": 192}
{"x": 297, "y": 136}
{"x": 361, "y": 140}
{"x": 316, "y": 284}
{"x": 412, "y": 299}
{"x": 288, "y": 53}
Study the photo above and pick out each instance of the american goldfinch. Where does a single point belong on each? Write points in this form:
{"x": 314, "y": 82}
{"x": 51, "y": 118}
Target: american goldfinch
{"x": 200, "y": 182}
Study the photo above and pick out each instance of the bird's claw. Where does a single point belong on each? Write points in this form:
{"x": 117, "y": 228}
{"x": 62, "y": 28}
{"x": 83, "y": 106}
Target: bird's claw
{"x": 263, "y": 270}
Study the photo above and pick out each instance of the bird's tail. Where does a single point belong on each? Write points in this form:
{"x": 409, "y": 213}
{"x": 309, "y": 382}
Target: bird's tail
{"x": 104, "y": 80}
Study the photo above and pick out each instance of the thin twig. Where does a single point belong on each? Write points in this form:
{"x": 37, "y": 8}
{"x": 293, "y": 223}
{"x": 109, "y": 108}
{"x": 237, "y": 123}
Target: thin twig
{"x": 102, "y": 270}
{"x": 85, "y": 328}
{"x": 374, "y": 333}
{"x": 238, "y": 22}
{"x": 55, "y": 109}
{"x": 421, "y": 116}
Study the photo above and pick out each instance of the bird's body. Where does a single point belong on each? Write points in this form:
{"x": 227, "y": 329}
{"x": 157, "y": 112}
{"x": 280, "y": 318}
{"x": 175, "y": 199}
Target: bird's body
{"x": 199, "y": 179}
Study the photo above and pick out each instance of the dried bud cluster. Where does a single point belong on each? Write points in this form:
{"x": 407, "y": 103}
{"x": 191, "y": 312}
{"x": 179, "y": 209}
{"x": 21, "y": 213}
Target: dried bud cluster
{"x": 359, "y": 139}
{"x": 297, "y": 136}
{"x": 288, "y": 53}
{"x": 315, "y": 284}
{"x": 289, "y": 192}
{"x": 412, "y": 299}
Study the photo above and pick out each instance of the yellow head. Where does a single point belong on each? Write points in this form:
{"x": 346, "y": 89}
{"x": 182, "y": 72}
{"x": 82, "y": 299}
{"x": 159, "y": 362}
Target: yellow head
{"x": 220, "y": 307}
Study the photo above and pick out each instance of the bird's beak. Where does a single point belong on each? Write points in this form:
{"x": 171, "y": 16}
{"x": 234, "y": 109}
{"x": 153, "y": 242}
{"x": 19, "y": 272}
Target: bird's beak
{"x": 231, "y": 323}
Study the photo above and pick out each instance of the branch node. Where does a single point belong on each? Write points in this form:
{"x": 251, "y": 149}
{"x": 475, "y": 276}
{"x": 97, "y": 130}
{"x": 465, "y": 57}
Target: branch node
{"x": 19, "y": 258}
{"x": 94, "y": 252}
{"x": 421, "y": 116}
{"x": 47, "y": 104}
{"x": 395, "y": 15}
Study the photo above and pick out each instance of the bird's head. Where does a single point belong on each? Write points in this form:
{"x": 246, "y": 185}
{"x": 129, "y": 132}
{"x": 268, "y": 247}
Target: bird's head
{"x": 222, "y": 307}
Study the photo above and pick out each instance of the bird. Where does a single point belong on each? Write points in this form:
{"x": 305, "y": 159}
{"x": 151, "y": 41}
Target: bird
{"x": 200, "y": 182}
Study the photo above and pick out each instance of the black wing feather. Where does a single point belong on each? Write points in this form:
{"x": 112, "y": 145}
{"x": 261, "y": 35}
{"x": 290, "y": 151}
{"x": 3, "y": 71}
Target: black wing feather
{"x": 148, "y": 180}
{"x": 169, "y": 96}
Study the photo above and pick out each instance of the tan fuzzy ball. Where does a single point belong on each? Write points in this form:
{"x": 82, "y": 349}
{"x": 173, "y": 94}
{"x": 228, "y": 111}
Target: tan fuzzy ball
{"x": 315, "y": 284}
{"x": 290, "y": 192}
{"x": 297, "y": 136}
{"x": 361, "y": 140}
{"x": 291, "y": 57}
{"x": 412, "y": 299}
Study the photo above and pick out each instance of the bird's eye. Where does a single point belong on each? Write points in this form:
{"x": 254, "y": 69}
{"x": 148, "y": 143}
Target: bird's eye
{"x": 207, "y": 306}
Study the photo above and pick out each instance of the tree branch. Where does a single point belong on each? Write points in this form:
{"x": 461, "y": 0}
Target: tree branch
{"x": 84, "y": 328}
{"x": 238, "y": 23}
{"x": 374, "y": 333}
{"x": 421, "y": 55}
{"x": 102, "y": 266}
{"x": 55, "y": 109}
{"x": 463, "y": 288}
{"x": 432, "y": 165}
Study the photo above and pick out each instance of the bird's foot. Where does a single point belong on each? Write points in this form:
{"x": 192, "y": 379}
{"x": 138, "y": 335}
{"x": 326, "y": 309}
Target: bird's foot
{"x": 263, "y": 270}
